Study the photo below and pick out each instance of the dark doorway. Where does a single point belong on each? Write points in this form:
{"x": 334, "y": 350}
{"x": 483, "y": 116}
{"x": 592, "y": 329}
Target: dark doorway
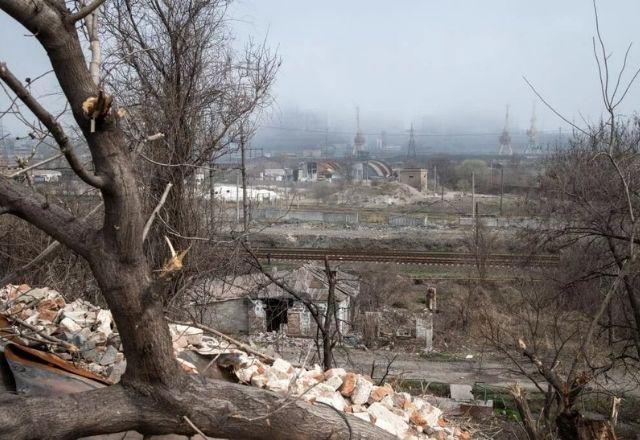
{"x": 276, "y": 313}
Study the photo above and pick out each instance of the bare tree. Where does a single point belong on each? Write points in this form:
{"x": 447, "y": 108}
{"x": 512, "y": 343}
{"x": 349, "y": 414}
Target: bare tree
{"x": 174, "y": 68}
{"x": 591, "y": 198}
{"x": 154, "y": 396}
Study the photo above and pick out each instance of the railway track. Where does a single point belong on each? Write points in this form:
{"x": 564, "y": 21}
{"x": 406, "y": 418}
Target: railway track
{"x": 404, "y": 257}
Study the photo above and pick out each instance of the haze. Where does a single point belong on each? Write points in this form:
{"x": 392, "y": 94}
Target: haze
{"x": 451, "y": 63}
{"x": 457, "y": 61}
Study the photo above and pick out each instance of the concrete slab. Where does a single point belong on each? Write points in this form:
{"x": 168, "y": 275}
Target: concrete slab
{"x": 461, "y": 392}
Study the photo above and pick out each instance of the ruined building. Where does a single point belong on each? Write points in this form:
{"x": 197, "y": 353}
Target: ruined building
{"x": 250, "y": 304}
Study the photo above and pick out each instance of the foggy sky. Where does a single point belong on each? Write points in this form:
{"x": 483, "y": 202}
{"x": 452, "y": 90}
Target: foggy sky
{"x": 457, "y": 61}
{"x": 453, "y": 62}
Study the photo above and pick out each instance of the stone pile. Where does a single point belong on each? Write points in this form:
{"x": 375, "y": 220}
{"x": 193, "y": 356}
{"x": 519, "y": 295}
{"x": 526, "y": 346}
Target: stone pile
{"x": 41, "y": 318}
{"x": 399, "y": 413}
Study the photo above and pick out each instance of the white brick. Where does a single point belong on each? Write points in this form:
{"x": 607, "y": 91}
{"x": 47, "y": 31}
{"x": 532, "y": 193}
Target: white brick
{"x": 387, "y": 420}
{"x": 362, "y": 390}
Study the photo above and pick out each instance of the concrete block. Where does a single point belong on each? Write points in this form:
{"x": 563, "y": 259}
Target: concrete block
{"x": 461, "y": 392}
{"x": 387, "y": 420}
{"x": 361, "y": 391}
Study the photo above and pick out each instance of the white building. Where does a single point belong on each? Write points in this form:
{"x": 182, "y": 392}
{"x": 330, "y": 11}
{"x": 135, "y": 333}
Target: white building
{"x": 46, "y": 176}
{"x": 275, "y": 174}
{"x": 231, "y": 193}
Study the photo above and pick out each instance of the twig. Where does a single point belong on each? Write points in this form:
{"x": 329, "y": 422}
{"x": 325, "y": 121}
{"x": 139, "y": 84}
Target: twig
{"x": 41, "y": 333}
{"x": 42, "y": 255}
{"x": 195, "y": 428}
{"x": 36, "y": 165}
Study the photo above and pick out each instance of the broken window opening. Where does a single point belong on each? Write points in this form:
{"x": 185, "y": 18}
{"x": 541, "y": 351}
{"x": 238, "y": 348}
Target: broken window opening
{"x": 276, "y": 313}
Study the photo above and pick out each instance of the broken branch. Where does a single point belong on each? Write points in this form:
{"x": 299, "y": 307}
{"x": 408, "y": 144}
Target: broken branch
{"x": 52, "y": 125}
{"x": 237, "y": 343}
{"x": 147, "y": 226}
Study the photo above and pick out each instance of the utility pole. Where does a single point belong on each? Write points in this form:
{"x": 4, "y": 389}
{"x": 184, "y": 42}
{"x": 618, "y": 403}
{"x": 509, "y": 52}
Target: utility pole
{"x": 243, "y": 170}
{"x": 435, "y": 179}
{"x": 473, "y": 194}
{"x": 477, "y": 220}
{"x": 505, "y": 138}
{"x": 411, "y": 148}
{"x": 501, "y": 186}
{"x": 238, "y": 196}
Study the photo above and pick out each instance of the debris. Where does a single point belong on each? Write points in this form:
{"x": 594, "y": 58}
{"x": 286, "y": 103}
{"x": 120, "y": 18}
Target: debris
{"x": 86, "y": 335}
{"x": 362, "y": 391}
{"x": 183, "y": 335}
{"x": 348, "y": 384}
{"x": 387, "y": 420}
{"x": 461, "y": 392}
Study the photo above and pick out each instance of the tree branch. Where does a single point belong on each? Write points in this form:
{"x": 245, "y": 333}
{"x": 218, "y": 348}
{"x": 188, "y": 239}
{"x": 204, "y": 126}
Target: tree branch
{"x": 52, "y": 125}
{"x": 163, "y": 199}
{"x": 218, "y": 409}
{"x": 41, "y": 257}
{"x": 82, "y": 13}
{"x": 48, "y": 217}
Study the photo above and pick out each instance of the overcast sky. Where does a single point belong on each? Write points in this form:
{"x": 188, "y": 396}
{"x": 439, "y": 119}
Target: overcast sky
{"x": 442, "y": 59}
{"x": 445, "y": 60}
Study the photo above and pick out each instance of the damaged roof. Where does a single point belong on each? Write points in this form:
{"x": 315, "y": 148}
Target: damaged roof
{"x": 309, "y": 279}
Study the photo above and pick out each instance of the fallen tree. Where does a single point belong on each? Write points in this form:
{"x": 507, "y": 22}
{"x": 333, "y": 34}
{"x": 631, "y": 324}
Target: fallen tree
{"x": 154, "y": 396}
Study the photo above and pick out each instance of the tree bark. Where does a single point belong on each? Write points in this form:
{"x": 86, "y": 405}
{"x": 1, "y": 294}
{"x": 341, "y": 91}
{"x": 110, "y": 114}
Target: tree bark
{"x": 217, "y": 408}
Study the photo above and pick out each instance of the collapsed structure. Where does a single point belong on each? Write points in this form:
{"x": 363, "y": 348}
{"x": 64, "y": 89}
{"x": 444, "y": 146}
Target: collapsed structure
{"x": 51, "y": 347}
{"x": 253, "y": 303}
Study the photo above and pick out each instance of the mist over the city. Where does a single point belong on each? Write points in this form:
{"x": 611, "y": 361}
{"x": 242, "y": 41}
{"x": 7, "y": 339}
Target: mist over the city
{"x": 446, "y": 66}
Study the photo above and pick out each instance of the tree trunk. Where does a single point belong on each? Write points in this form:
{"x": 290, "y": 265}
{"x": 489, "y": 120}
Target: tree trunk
{"x": 137, "y": 310}
{"x": 154, "y": 396}
{"x": 217, "y": 408}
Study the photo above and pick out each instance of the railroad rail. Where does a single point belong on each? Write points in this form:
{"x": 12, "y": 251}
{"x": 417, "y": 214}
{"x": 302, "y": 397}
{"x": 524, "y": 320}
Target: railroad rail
{"x": 404, "y": 257}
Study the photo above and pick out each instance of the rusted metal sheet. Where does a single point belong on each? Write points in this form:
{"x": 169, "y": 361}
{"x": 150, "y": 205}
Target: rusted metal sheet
{"x": 40, "y": 373}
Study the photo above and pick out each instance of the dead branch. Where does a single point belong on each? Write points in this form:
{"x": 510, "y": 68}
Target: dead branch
{"x": 163, "y": 199}
{"x": 234, "y": 341}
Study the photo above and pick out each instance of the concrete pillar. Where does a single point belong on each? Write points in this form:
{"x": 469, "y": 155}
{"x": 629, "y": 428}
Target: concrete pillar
{"x": 424, "y": 329}
{"x": 257, "y": 317}
{"x": 431, "y": 299}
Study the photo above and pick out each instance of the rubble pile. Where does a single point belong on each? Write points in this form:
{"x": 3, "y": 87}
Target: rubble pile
{"x": 77, "y": 331}
{"x": 398, "y": 413}
{"x": 383, "y": 194}
{"x": 85, "y": 334}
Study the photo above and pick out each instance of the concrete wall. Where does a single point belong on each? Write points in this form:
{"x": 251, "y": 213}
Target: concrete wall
{"x": 424, "y": 329}
{"x": 227, "y": 316}
{"x": 415, "y": 177}
{"x": 306, "y": 216}
{"x": 403, "y": 220}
